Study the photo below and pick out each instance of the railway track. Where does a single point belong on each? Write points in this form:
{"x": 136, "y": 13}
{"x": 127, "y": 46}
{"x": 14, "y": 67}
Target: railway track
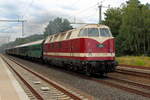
{"x": 125, "y": 88}
{"x": 108, "y": 81}
{"x": 71, "y": 95}
{"x": 133, "y": 73}
{"x": 137, "y": 67}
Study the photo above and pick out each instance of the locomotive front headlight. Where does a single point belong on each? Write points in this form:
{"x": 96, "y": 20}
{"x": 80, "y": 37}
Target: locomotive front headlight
{"x": 100, "y": 45}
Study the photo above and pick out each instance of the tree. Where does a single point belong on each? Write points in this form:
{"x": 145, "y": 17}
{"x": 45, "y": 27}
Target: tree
{"x": 131, "y": 27}
{"x": 135, "y": 29}
{"x": 113, "y": 20}
{"x": 57, "y": 25}
{"x": 146, "y": 28}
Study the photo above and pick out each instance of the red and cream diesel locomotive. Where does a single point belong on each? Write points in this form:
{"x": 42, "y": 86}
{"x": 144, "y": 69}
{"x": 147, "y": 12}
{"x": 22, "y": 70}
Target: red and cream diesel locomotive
{"x": 89, "y": 48}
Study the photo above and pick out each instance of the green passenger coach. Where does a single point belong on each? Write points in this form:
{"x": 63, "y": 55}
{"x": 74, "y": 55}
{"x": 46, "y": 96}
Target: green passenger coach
{"x": 31, "y": 50}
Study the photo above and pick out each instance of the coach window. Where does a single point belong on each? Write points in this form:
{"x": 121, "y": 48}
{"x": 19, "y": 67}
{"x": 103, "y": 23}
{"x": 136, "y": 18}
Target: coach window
{"x": 69, "y": 34}
{"x": 93, "y": 32}
{"x": 83, "y": 32}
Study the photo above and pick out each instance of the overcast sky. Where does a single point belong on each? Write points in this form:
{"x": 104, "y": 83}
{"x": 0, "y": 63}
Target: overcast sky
{"x": 39, "y": 12}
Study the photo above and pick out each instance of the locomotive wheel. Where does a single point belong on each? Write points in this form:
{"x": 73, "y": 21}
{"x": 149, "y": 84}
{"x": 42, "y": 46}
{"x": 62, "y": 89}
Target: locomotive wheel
{"x": 88, "y": 70}
{"x": 67, "y": 67}
{"x": 75, "y": 68}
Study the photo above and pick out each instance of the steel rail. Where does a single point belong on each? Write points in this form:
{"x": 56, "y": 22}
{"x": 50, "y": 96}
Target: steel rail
{"x": 75, "y": 97}
{"x": 133, "y": 73}
{"x": 131, "y": 90}
{"x": 130, "y": 82}
{"x": 137, "y": 67}
{"x": 105, "y": 82}
{"x": 35, "y": 93}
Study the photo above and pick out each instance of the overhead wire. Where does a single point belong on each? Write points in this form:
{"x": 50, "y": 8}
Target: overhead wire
{"x": 92, "y": 14}
{"x": 83, "y": 10}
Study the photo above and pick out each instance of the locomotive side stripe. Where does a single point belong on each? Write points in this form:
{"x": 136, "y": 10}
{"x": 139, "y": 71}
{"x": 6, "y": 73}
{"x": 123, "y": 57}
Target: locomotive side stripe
{"x": 80, "y": 54}
{"x": 80, "y": 58}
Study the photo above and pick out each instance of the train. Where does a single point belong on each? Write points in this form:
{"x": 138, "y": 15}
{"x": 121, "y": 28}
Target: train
{"x": 89, "y": 49}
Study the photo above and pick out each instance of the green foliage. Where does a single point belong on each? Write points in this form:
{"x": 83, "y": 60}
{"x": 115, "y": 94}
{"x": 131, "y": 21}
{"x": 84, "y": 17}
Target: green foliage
{"x": 31, "y": 38}
{"x": 57, "y": 25}
{"x": 113, "y": 20}
{"x": 132, "y": 28}
{"x": 134, "y": 60}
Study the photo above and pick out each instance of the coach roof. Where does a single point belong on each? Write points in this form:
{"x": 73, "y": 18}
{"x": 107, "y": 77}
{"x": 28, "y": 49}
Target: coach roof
{"x": 30, "y": 43}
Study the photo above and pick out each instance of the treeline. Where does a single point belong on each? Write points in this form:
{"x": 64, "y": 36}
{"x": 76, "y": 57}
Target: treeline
{"x": 131, "y": 27}
{"x": 20, "y": 41}
{"x": 57, "y": 25}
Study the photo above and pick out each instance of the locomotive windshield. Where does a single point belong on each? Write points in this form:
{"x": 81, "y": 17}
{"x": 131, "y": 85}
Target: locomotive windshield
{"x": 105, "y": 32}
{"x": 89, "y": 32}
{"x": 83, "y": 32}
{"x": 95, "y": 32}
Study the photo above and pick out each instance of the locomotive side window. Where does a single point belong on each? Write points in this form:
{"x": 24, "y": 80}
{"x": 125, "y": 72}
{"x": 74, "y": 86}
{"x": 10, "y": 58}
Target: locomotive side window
{"x": 105, "y": 32}
{"x": 93, "y": 32}
{"x": 69, "y": 34}
{"x": 62, "y": 36}
{"x": 50, "y": 39}
{"x": 56, "y": 37}
{"x": 83, "y": 32}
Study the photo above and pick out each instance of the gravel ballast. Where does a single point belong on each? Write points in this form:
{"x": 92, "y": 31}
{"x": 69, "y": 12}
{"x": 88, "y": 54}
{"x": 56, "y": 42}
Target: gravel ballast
{"x": 97, "y": 90}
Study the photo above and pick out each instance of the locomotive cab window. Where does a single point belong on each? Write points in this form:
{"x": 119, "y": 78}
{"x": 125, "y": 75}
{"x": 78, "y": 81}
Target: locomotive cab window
{"x": 69, "y": 34}
{"x": 62, "y": 36}
{"x": 83, "y": 32}
{"x": 93, "y": 32}
{"x": 50, "y": 39}
{"x": 105, "y": 32}
{"x": 56, "y": 37}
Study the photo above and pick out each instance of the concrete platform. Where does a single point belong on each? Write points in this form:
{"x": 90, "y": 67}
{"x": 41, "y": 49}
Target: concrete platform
{"x": 10, "y": 89}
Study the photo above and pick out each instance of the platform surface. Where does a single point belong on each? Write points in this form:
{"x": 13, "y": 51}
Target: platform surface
{"x": 10, "y": 89}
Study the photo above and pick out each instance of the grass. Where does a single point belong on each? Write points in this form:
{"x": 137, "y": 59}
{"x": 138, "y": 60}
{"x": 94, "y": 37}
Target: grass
{"x": 134, "y": 60}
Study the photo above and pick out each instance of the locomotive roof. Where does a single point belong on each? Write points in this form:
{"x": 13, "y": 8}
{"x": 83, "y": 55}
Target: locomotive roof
{"x": 94, "y": 25}
{"x": 85, "y": 26}
{"x": 30, "y": 43}
{"x": 74, "y": 33}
